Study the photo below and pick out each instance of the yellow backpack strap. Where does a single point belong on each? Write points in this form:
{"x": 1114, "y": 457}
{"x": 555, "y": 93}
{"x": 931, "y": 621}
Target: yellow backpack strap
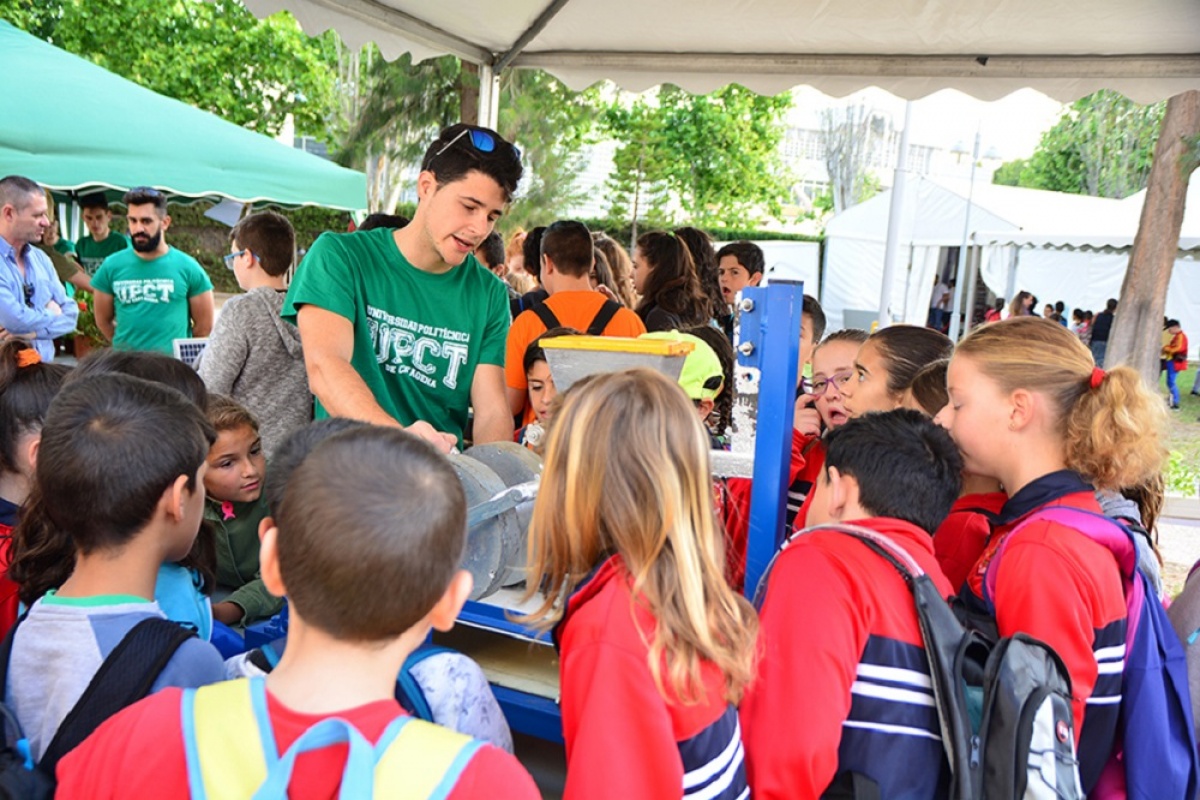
{"x": 421, "y": 761}
{"x": 228, "y": 739}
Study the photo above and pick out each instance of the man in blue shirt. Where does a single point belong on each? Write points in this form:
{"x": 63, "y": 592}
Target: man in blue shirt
{"x": 33, "y": 305}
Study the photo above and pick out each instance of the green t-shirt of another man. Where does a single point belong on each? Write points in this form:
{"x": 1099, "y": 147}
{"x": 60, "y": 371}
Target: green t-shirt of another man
{"x": 418, "y": 337}
{"x": 150, "y": 298}
{"x": 92, "y": 253}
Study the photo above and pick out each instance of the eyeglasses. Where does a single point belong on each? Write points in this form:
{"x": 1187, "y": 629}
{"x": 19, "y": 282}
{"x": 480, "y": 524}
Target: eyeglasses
{"x": 27, "y": 288}
{"x": 482, "y": 140}
{"x": 229, "y": 259}
{"x": 836, "y": 380}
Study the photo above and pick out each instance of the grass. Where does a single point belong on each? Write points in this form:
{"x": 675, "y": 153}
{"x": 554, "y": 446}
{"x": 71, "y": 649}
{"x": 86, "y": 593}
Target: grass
{"x": 1183, "y": 437}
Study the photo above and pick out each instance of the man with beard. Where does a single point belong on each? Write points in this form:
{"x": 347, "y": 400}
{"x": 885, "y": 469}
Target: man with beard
{"x": 33, "y": 305}
{"x": 153, "y": 294}
{"x": 405, "y": 327}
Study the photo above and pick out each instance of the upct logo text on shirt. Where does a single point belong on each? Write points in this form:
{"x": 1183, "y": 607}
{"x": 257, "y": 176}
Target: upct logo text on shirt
{"x": 405, "y": 347}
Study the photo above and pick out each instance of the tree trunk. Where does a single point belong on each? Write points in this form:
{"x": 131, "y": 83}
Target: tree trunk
{"x": 469, "y": 93}
{"x": 1137, "y": 331}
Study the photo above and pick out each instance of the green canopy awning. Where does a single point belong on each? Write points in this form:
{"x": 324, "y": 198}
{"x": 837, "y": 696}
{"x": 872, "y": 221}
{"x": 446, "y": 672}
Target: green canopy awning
{"x": 72, "y": 125}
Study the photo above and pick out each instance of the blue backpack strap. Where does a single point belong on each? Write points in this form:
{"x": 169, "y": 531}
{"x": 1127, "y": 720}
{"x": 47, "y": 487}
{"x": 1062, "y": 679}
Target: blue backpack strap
{"x": 409, "y": 693}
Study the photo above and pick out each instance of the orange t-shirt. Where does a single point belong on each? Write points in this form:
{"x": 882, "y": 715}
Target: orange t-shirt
{"x": 574, "y": 310}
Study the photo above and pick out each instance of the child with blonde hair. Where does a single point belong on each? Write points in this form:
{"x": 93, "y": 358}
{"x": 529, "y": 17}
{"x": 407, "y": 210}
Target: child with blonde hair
{"x": 1029, "y": 407}
{"x": 655, "y": 648}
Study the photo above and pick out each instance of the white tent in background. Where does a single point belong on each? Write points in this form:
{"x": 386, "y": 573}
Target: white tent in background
{"x": 931, "y": 231}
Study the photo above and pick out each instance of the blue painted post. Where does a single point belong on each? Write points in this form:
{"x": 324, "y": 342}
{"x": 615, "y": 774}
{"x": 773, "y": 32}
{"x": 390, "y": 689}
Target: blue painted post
{"x": 770, "y": 342}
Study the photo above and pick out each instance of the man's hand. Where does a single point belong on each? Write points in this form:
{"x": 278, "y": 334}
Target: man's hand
{"x": 807, "y": 419}
{"x": 5, "y": 336}
{"x": 444, "y": 442}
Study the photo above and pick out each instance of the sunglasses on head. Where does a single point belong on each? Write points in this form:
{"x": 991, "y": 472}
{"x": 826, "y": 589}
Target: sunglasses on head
{"x": 482, "y": 140}
{"x": 148, "y": 191}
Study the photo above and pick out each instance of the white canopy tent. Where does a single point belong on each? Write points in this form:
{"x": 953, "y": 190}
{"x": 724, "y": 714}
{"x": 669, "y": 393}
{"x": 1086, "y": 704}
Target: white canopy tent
{"x": 1147, "y": 50}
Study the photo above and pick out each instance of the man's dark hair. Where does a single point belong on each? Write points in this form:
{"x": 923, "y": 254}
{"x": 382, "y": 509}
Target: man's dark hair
{"x": 1060, "y": 306}
{"x": 531, "y": 251}
{"x": 377, "y": 220}
{"x": 94, "y": 200}
{"x": 908, "y": 348}
{"x": 492, "y": 250}
{"x": 401, "y": 520}
{"x": 907, "y": 467}
{"x": 813, "y": 309}
{"x": 270, "y": 237}
{"x": 1110, "y": 305}
{"x": 16, "y": 189}
{"x": 295, "y": 449}
{"x": 119, "y": 442}
{"x": 534, "y": 352}
{"x": 748, "y": 254}
{"x": 147, "y": 196}
{"x": 453, "y": 154}
{"x": 569, "y": 245}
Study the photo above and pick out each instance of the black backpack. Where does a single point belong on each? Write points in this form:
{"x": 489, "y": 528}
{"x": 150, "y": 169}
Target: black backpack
{"x": 599, "y": 322}
{"x": 125, "y": 677}
{"x": 1004, "y": 709}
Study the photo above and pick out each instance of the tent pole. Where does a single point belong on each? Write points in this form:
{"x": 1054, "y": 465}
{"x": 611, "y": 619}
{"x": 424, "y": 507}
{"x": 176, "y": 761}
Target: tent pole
{"x": 959, "y": 289}
{"x": 895, "y": 214}
{"x": 973, "y": 264}
{"x": 489, "y": 96}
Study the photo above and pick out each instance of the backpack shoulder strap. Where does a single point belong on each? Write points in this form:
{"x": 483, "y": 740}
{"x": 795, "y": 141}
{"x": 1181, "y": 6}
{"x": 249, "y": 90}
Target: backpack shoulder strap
{"x": 418, "y": 759}
{"x": 409, "y": 693}
{"x": 228, "y": 740}
{"x": 545, "y": 315}
{"x": 603, "y": 317}
{"x": 125, "y": 677}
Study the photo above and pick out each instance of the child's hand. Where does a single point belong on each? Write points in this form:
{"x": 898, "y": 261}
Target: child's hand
{"x": 807, "y": 419}
{"x": 228, "y": 613}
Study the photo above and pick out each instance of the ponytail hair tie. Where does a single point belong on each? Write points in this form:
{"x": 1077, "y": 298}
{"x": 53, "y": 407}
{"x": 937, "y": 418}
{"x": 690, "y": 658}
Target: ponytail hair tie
{"x": 1097, "y": 377}
{"x": 28, "y": 357}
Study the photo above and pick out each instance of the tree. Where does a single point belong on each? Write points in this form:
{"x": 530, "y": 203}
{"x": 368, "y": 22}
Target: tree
{"x": 716, "y": 154}
{"x": 1136, "y": 336}
{"x": 854, "y": 136}
{"x": 1102, "y": 146}
{"x": 637, "y": 187}
{"x": 213, "y": 55}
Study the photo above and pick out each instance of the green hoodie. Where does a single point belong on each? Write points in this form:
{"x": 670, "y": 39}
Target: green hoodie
{"x": 236, "y": 525}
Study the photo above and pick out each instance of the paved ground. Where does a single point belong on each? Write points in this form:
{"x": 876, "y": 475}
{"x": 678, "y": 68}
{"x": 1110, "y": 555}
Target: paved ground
{"x": 1179, "y": 545}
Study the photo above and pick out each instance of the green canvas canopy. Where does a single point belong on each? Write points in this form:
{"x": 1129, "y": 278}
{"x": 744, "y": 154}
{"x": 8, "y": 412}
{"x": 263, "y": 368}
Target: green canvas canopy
{"x": 74, "y": 126}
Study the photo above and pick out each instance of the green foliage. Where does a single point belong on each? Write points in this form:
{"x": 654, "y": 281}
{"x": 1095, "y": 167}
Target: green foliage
{"x": 715, "y": 154}
{"x": 1102, "y": 146}
{"x": 621, "y": 232}
{"x": 1182, "y": 476}
{"x": 213, "y": 55}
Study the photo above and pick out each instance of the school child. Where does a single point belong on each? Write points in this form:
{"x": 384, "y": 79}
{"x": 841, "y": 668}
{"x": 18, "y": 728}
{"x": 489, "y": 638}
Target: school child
{"x": 720, "y": 419}
{"x": 119, "y": 473}
{"x": 360, "y": 602}
{"x": 886, "y": 365}
{"x": 451, "y": 685}
{"x": 540, "y": 389}
{"x": 27, "y": 385}
{"x": 702, "y": 376}
{"x": 1174, "y": 358}
{"x": 43, "y": 560}
{"x": 812, "y": 328}
{"x": 666, "y": 278}
{"x": 655, "y": 649}
{"x": 739, "y": 264}
{"x": 1029, "y": 408}
{"x": 253, "y": 356}
{"x": 234, "y": 507}
{"x": 842, "y": 704}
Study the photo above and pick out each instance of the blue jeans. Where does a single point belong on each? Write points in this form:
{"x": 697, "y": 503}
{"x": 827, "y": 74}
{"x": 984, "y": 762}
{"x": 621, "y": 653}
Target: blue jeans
{"x": 1171, "y": 386}
{"x": 1098, "y": 350}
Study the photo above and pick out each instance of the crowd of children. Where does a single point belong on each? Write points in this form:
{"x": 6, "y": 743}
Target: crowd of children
{"x": 142, "y": 529}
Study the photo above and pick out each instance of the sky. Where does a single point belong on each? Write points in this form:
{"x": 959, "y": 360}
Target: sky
{"x": 1012, "y": 125}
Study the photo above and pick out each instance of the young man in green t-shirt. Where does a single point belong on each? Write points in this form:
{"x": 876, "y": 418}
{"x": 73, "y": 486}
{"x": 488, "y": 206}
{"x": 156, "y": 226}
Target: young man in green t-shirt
{"x": 406, "y": 327}
{"x": 147, "y": 297}
{"x": 101, "y": 242}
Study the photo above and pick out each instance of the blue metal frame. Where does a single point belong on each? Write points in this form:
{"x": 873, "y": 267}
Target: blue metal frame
{"x": 772, "y": 327}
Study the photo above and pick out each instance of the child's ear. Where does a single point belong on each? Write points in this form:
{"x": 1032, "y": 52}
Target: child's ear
{"x": 176, "y": 496}
{"x": 445, "y": 611}
{"x": 755, "y": 279}
{"x": 705, "y": 408}
{"x": 268, "y": 558}
{"x": 843, "y": 491}
{"x": 35, "y": 444}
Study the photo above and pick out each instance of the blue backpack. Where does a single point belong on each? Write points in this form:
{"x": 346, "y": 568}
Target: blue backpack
{"x": 1156, "y": 741}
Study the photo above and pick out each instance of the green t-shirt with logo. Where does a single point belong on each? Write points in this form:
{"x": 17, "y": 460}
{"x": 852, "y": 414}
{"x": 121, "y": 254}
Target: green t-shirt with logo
{"x": 418, "y": 337}
{"x": 65, "y": 246}
{"x": 150, "y": 298}
{"x": 92, "y": 253}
